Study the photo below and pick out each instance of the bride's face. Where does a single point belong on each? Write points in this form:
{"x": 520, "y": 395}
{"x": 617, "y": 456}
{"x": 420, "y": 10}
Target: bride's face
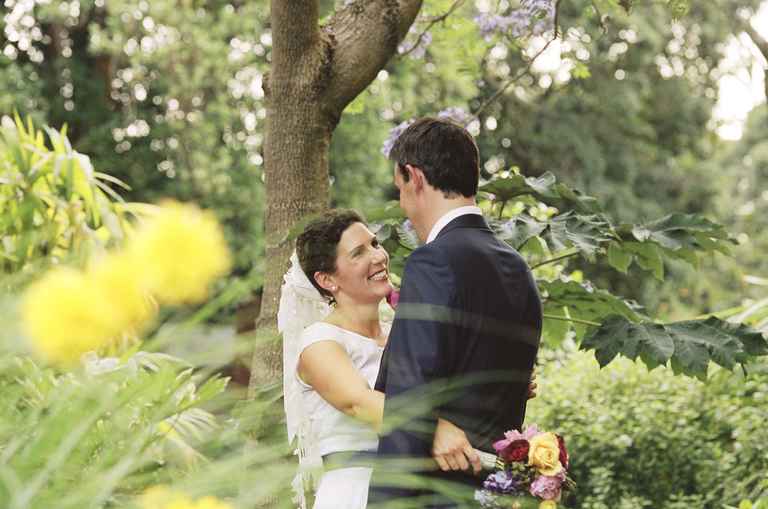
{"x": 362, "y": 266}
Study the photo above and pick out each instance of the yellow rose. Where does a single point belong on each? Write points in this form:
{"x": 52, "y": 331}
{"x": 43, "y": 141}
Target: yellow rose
{"x": 548, "y": 504}
{"x": 544, "y": 454}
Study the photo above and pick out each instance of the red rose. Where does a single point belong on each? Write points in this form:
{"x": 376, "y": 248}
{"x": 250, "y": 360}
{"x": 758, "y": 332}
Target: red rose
{"x": 516, "y": 451}
{"x": 563, "y": 452}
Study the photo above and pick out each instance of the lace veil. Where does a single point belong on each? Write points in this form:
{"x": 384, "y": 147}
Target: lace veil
{"x": 300, "y": 305}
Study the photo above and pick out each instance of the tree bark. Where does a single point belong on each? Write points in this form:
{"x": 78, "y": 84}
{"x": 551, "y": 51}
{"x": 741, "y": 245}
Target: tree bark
{"x": 762, "y": 45}
{"x": 315, "y": 73}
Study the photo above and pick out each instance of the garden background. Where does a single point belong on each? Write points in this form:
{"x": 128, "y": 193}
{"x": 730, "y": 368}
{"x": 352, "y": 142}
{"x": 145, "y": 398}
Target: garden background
{"x": 613, "y": 158}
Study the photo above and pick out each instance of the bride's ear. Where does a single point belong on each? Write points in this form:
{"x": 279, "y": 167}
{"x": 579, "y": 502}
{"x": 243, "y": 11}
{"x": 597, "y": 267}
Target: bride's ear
{"x": 326, "y": 281}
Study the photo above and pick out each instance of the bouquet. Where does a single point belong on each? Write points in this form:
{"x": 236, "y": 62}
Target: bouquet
{"x": 530, "y": 471}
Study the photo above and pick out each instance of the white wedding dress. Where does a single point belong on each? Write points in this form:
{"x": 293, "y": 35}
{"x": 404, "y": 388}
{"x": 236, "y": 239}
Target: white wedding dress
{"x": 334, "y": 431}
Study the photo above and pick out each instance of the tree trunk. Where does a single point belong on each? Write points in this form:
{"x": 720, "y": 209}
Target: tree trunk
{"x": 316, "y": 72}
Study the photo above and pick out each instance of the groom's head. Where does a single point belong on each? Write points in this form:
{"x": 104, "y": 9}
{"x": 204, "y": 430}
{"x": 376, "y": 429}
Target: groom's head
{"x": 444, "y": 152}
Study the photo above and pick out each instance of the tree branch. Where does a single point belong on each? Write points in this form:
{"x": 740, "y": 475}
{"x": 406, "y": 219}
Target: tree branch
{"x": 513, "y": 80}
{"x": 432, "y": 22}
{"x": 363, "y": 38}
{"x": 757, "y": 39}
{"x": 573, "y": 320}
{"x": 555, "y": 259}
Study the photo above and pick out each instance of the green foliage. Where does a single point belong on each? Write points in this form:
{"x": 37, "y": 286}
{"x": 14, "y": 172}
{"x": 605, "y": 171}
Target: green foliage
{"x": 688, "y": 346}
{"x": 548, "y": 238}
{"x": 54, "y": 204}
{"x": 104, "y": 430}
{"x": 649, "y": 439}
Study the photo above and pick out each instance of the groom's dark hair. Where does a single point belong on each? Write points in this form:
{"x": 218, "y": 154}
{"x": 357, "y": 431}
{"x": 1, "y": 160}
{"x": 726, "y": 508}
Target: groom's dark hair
{"x": 444, "y": 151}
{"x": 316, "y": 246}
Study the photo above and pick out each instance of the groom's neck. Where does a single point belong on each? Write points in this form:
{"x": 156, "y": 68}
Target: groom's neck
{"x": 436, "y": 207}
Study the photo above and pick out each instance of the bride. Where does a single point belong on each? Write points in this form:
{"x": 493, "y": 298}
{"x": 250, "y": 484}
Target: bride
{"x": 333, "y": 342}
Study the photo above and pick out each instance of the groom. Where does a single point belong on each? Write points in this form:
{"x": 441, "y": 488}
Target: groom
{"x": 467, "y": 326}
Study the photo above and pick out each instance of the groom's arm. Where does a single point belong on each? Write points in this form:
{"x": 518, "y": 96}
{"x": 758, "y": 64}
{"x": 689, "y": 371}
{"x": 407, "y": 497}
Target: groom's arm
{"x": 418, "y": 356}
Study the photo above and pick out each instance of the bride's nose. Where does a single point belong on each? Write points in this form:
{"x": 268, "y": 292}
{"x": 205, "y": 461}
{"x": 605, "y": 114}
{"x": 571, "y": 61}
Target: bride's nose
{"x": 380, "y": 256}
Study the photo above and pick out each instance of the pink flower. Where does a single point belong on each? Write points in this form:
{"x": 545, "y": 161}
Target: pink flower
{"x": 512, "y": 435}
{"x": 547, "y": 487}
{"x": 393, "y": 298}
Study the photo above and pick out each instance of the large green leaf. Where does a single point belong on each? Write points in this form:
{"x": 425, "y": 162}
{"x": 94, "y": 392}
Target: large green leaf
{"x": 545, "y": 189}
{"x": 585, "y": 303}
{"x": 688, "y": 346}
{"x": 647, "y": 256}
{"x": 585, "y": 233}
{"x": 679, "y": 231}
{"x": 508, "y": 188}
{"x": 518, "y": 230}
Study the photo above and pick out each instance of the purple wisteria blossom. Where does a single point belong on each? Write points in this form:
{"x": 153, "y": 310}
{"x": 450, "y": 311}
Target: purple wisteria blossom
{"x": 457, "y": 114}
{"x": 454, "y": 113}
{"x": 534, "y": 17}
{"x": 415, "y": 44}
{"x": 394, "y": 134}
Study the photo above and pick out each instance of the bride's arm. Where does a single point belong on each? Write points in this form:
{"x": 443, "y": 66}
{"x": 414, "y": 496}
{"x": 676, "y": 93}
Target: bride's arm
{"x": 326, "y": 366}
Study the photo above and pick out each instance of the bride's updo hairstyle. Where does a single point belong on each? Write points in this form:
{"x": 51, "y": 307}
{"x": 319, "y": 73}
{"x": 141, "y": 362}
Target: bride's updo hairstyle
{"x": 316, "y": 246}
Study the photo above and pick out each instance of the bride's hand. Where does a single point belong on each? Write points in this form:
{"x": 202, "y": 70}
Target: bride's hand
{"x": 451, "y": 449}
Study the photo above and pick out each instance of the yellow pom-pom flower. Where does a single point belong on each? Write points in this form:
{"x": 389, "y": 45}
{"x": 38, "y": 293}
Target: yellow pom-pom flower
{"x": 67, "y": 313}
{"x": 180, "y": 251}
{"x": 548, "y": 504}
{"x": 161, "y": 497}
{"x": 117, "y": 275}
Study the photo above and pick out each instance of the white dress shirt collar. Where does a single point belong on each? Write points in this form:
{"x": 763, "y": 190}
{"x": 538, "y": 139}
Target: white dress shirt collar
{"x": 450, "y": 216}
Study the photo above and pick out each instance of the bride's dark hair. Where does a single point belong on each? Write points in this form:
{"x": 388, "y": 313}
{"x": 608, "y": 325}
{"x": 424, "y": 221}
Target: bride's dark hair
{"x": 317, "y": 245}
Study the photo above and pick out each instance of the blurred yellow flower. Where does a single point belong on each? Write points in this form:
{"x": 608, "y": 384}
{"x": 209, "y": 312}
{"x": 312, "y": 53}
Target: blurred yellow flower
{"x": 548, "y": 504}
{"x": 161, "y": 497}
{"x": 179, "y": 252}
{"x": 211, "y": 503}
{"x": 67, "y": 313}
{"x": 117, "y": 276}
{"x": 544, "y": 454}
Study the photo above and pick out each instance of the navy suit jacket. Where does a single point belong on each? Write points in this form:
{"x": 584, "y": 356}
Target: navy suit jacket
{"x": 462, "y": 347}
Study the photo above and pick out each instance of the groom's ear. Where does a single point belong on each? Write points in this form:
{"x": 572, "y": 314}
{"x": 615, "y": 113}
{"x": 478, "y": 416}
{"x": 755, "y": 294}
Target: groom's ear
{"x": 416, "y": 175}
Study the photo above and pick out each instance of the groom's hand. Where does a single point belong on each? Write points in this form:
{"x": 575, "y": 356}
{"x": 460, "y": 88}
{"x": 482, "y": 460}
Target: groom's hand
{"x": 532, "y": 386}
{"x": 452, "y": 450}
